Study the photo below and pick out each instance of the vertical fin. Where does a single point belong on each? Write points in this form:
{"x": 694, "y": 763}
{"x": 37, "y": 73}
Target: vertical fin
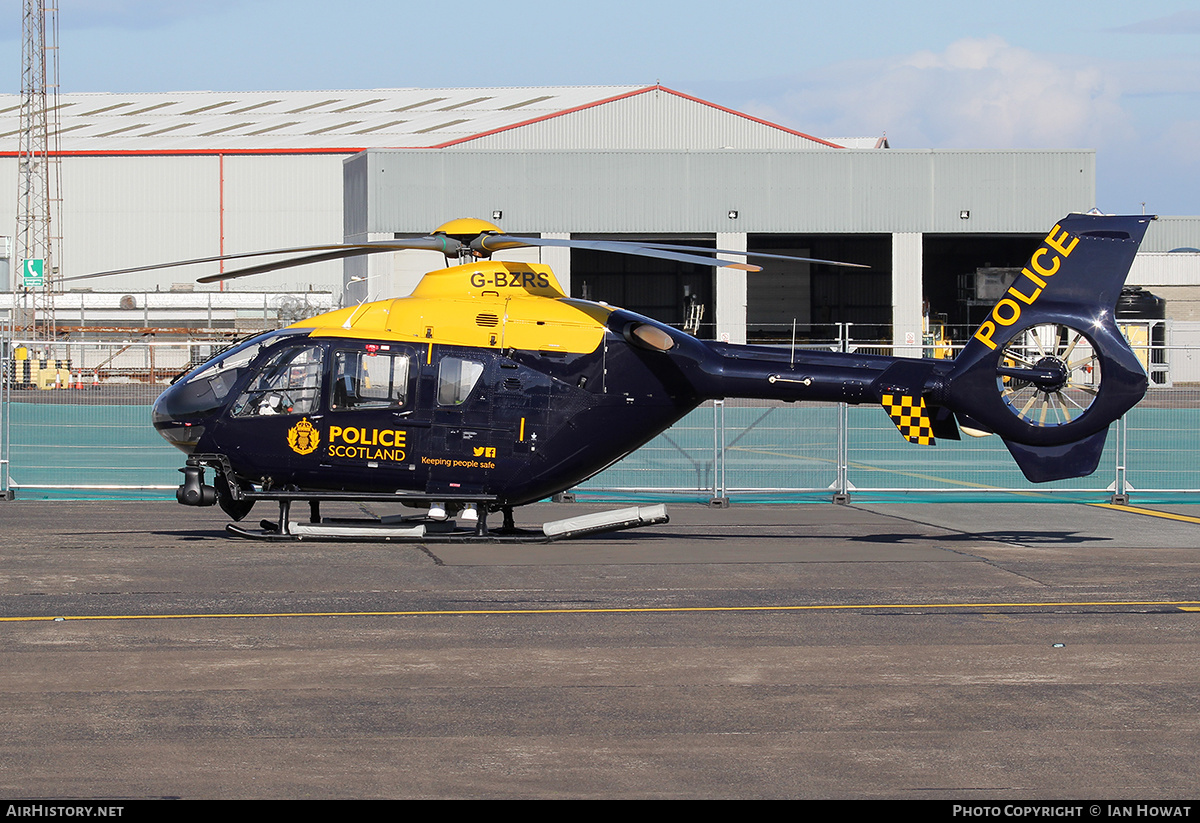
{"x": 1068, "y": 288}
{"x": 1041, "y": 464}
{"x": 900, "y": 390}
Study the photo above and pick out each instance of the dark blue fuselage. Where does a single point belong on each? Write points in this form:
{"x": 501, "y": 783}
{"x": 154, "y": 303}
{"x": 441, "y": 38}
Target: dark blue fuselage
{"x": 288, "y": 410}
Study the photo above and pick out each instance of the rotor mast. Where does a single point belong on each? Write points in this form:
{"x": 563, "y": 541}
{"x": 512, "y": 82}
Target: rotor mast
{"x": 39, "y": 206}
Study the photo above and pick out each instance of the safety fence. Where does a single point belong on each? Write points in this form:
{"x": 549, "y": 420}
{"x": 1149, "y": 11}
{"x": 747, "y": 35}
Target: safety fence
{"x": 76, "y": 417}
{"x": 770, "y": 452}
{"x": 75, "y": 424}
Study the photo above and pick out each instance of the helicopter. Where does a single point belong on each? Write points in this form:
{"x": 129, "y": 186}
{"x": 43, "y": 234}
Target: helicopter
{"x": 489, "y": 388}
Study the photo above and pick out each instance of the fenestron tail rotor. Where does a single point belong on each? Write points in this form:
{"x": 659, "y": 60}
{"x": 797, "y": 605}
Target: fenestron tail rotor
{"x": 1049, "y": 375}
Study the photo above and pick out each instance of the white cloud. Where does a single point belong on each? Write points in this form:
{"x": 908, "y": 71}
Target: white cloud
{"x": 1139, "y": 114}
{"x": 978, "y": 93}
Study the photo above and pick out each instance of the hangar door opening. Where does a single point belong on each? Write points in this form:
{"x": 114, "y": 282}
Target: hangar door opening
{"x": 817, "y": 296}
{"x": 681, "y": 294}
{"x": 964, "y": 276}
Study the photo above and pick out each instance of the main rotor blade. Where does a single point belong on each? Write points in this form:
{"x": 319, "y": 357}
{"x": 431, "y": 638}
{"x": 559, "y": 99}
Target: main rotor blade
{"x": 489, "y": 243}
{"x": 495, "y": 242}
{"x": 446, "y": 245}
{"x": 484, "y": 244}
{"x": 261, "y": 268}
{"x": 756, "y": 254}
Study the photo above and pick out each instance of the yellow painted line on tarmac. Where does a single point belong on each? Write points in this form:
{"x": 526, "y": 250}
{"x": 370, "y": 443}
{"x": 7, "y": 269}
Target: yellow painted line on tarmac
{"x": 1148, "y": 512}
{"x": 1184, "y": 605}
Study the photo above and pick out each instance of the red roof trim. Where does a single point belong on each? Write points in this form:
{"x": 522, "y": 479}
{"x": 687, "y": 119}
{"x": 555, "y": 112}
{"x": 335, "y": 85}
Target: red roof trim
{"x": 142, "y": 152}
{"x": 623, "y": 97}
{"x": 754, "y": 119}
{"x": 459, "y": 141}
{"x": 551, "y": 116}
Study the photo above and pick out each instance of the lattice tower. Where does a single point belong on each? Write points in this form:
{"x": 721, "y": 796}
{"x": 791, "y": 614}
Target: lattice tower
{"x": 39, "y": 207}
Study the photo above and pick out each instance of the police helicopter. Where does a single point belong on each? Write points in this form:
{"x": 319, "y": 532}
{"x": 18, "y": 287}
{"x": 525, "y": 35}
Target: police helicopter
{"x": 489, "y": 388}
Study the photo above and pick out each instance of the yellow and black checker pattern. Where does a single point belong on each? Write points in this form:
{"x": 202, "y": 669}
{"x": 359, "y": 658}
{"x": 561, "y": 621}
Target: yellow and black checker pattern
{"x": 910, "y": 417}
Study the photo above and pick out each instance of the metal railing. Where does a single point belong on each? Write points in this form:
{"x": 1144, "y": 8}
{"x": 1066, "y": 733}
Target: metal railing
{"x": 5, "y": 413}
{"x": 92, "y": 437}
{"x": 766, "y": 450}
{"x": 78, "y": 416}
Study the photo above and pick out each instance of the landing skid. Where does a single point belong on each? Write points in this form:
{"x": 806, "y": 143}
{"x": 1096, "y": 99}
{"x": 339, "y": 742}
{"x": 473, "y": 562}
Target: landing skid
{"x": 412, "y": 529}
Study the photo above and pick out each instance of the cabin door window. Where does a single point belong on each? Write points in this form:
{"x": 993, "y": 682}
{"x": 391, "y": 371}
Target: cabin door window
{"x": 370, "y": 380}
{"x": 456, "y": 378}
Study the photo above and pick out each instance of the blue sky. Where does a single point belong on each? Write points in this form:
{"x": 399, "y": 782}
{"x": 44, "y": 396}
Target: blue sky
{"x": 1119, "y": 77}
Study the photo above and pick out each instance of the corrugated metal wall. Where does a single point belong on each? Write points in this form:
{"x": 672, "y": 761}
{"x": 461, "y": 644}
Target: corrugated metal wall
{"x": 121, "y": 211}
{"x": 1167, "y": 233}
{"x": 131, "y": 211}
{"x": 284, "y": 200}
{"x": 673, "y": 191}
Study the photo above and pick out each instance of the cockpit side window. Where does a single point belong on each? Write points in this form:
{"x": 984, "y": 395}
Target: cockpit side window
{"x": 456, "y": 378}
{"x": 370, "y": 379}
{"x": 288, "y": 383}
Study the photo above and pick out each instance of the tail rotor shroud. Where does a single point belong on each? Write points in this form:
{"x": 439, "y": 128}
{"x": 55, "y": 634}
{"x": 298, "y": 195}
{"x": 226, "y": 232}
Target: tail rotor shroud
{"x": 1049, "y": 369}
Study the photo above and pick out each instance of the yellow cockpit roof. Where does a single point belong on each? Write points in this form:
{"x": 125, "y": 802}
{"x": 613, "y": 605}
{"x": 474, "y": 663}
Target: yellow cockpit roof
{"x": 487, "y": 303}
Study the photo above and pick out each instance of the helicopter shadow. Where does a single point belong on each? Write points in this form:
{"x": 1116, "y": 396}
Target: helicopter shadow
{"x": 1019, "y": 537}
{"x": 192, "y": 534}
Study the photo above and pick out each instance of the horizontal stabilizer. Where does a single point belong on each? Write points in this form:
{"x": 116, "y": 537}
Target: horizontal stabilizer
{"x": 1042, "y": 464}
{"x": 910, "y": 416}
{"x": 900, "y": 391}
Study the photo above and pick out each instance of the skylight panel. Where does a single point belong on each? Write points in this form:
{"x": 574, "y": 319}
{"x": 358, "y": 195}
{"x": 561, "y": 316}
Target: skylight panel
{"x": 328, "y": 129}
{"x": 227, "y": 128}
{"x": 106, "y": 108}
{"x": 353, "y": 106}
{"x": 380, "y": 127}
{"x": 441, "y": 126}
{"x": 151, "y": 108}
{"x": 524, "y": 103}
{"x": 253, "y": 106}
{"x": 209, "y": 107}
{"x": 275, "y": 127}
{"x": 430, "y": 101}
{"x": 312, "y": 106}
{"x": 454, "y": 106}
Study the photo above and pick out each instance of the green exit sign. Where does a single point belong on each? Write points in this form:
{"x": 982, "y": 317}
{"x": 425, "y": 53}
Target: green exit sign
{"x": 33, "y": 273}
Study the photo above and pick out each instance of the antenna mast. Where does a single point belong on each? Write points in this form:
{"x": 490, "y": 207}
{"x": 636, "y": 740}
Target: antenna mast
{"x": 38, "y": 166}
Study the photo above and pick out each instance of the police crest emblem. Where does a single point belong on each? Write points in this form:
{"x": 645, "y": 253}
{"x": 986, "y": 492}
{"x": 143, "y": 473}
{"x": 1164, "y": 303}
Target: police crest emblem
{"x": 303, "y": 437}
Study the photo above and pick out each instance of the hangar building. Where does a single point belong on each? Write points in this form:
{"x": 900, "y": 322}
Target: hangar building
{"x": 153, "y": 177}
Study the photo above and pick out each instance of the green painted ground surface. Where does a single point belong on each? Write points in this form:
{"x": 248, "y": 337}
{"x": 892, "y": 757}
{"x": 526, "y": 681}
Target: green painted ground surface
{"x": 782, "y": 454}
